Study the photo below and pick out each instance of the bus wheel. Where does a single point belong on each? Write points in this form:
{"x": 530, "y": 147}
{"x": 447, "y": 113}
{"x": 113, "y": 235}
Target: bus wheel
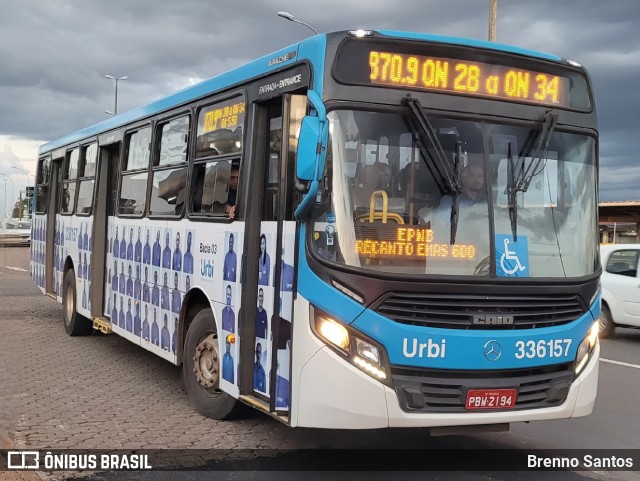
{"x": 201, "y": 369}
{"x": 606, "y": 323}
{"x": 74, "y": 323}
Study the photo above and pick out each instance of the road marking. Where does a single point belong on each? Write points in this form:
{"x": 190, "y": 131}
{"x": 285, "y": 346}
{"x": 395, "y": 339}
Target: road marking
{"x": 19, "y": 269}
{"x": 635, "y": 366}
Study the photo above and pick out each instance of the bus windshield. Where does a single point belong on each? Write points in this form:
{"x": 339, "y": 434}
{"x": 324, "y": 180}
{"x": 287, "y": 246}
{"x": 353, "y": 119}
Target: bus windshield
{"x": 385, "y": 207}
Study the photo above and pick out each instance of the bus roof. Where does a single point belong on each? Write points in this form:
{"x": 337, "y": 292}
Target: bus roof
{"x": 257, "y": 68}
{"x": 471, "y": 43}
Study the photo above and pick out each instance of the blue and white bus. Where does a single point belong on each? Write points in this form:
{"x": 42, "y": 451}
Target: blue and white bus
{"x": 366, "y": 229}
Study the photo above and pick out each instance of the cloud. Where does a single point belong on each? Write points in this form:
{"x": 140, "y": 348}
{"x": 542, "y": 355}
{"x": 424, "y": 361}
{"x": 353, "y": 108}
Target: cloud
{"x": 54, "y": 55}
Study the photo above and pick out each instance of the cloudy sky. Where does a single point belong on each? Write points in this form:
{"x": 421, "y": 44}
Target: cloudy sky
{"x": 54, "y": 56}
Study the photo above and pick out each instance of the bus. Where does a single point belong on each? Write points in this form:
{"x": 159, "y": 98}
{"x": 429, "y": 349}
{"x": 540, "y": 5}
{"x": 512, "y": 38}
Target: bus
{"x": 365, "y": 229}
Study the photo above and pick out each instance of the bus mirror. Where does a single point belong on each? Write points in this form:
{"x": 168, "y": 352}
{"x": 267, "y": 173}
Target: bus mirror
{"x": 308, "y": 144}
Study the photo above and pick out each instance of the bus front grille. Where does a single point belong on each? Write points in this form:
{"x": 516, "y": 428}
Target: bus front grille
{"x": 449, "y": 311}
{"x": 433, "y": 390}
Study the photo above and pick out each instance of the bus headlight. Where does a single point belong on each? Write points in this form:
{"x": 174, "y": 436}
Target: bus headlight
{"x": 368, "y": 351}
{"x": 360, "y": 351}
{"x": 333, "y": 332}
{"x": 586, "y": 347}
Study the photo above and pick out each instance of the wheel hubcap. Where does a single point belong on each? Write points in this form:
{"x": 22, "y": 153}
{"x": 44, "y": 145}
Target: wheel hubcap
{"x": 206, "y": 362}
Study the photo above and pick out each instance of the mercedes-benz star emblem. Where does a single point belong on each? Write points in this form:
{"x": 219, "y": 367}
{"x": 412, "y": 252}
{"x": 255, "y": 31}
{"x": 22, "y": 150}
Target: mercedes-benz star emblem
{"x": 492, "y": 350}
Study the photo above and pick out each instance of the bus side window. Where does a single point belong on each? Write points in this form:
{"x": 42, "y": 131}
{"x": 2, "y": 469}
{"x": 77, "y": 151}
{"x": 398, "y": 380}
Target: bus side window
{"x": 216, "y": 185}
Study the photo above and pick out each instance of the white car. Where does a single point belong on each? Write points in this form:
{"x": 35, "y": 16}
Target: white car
{"x": 620, "y": 287}
{"x": 15, "y": 232}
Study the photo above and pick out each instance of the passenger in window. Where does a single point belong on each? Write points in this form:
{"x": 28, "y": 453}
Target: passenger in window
{"x": 473, "y": 190}
{"x": 473, "y": 193}
{"x": 234, "y": 176}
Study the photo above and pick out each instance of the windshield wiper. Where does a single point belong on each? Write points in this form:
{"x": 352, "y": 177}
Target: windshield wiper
{"x": 448, "y": 181}
{"x": 521, "y": 181}
{"x": 526, "y": 175}
{"x": 427, "y": 137}
{"x": 511, "y": 192}
{"x": 455, "y": 201}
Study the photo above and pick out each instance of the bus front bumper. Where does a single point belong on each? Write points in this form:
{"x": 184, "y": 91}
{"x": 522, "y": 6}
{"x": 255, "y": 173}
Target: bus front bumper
{"x": 334, "y": 394}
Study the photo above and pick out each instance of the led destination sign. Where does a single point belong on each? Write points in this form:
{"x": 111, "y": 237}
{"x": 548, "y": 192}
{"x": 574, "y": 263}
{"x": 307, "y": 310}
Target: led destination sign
{"x": 411, "y": 242}
{"x": 467, "y": 78}
{"x": 224, "y": 117}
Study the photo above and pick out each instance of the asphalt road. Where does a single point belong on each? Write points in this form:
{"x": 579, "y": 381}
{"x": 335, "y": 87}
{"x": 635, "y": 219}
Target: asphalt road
{"x": 104, "y": 392}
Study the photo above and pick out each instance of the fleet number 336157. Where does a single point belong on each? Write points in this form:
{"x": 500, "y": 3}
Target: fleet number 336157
{"x": 543, "y": 348}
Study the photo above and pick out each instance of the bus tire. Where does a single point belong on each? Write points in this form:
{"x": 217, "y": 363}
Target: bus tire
{"x": 607, "y": 325}
{"x": 75, "y": 324}
{"x": 201, "y": 369}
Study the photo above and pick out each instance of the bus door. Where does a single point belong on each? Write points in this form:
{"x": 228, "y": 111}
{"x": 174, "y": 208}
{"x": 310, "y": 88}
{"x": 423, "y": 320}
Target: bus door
{"x": 51, "y": 243}
{"x": 103, "y": 209}
{"x": 276, "y": 251}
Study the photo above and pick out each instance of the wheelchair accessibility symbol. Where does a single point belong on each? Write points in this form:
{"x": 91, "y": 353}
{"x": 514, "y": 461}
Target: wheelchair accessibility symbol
{"x": 512, "y": 260}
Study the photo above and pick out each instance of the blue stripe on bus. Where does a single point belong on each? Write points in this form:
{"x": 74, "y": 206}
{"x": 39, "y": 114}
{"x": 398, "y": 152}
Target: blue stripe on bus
{"x": 321, "y": 294}
{"x": 465, "y": 349}
{"x": 314, "y": 47}
{"x": 471, "y": 43}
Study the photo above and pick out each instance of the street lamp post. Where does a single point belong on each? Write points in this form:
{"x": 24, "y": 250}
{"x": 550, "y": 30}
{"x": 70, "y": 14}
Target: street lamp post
{"x": 25, "y": 189}
{"x": 115, "y": 104}
{"x": 291, "y": 18}
{"x": 493, "y": 7}
{"x": 7, "y": 215}
{"x": 5, "y": 197}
